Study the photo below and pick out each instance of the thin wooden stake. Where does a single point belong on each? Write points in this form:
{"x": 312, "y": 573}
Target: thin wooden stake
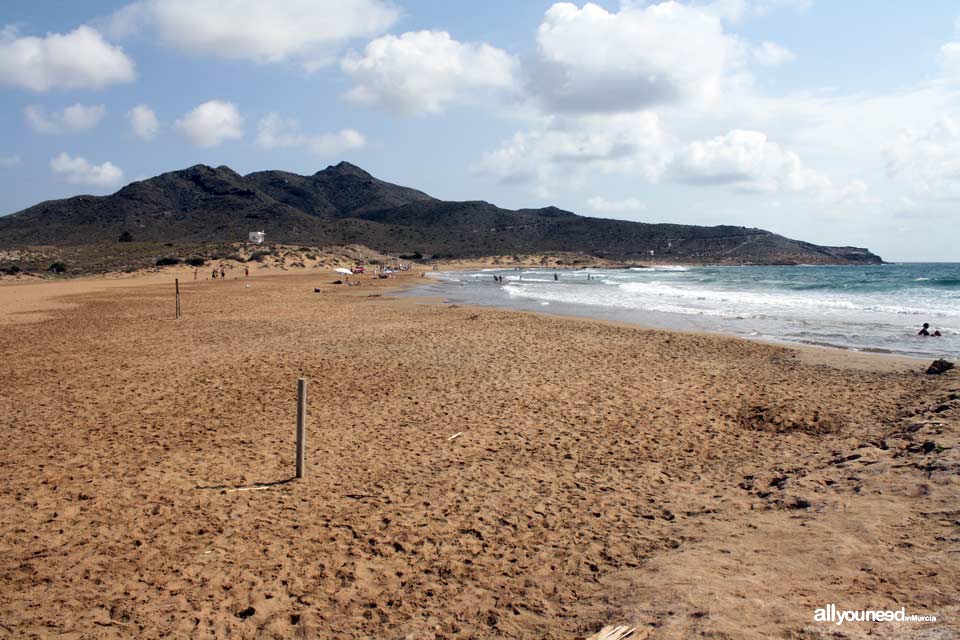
{"x": 301, "y": 426}
{"x": 178, "y": 297}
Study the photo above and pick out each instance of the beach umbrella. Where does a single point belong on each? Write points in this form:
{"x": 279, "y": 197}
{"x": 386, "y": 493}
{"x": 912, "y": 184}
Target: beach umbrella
{"x": 344, "y": 271}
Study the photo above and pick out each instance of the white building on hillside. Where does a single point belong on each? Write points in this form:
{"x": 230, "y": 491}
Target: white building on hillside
{"x": 257, "y": 237}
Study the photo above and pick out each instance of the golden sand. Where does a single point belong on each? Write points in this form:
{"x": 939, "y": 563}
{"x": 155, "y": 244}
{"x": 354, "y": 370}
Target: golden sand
{"x": 688, "y": 485}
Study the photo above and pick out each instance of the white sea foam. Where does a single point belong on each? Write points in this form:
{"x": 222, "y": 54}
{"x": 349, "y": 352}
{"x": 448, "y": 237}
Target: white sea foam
{"x": 853, "y": 307}
{"x": 660, "y": 267}
{"x": 604, "y": 297}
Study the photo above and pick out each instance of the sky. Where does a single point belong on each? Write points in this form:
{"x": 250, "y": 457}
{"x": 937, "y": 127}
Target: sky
{"x": 832, "y": 122}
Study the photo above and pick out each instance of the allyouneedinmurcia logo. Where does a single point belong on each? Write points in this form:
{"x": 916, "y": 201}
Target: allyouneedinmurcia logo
{"x": 831, "y": 613}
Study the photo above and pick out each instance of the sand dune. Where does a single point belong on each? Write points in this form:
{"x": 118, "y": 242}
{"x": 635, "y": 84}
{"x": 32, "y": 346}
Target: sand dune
{"x": 688, "y": 485}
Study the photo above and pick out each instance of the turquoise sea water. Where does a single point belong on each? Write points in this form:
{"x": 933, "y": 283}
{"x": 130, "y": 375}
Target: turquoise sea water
{"x": 875, "y": 308}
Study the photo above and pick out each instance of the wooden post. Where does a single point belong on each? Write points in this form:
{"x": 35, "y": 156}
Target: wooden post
{"x": 301, "y": 426}
{"x": 178, "y": 298}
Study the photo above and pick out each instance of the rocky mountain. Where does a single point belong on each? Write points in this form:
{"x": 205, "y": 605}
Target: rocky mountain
{"x": 344, "y": 204}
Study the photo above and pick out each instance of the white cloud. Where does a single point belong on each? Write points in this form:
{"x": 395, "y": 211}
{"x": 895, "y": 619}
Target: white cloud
{"x": 749, "y": 161}
{"x": 6, "y": 162}
{"x": 331, "y": 144}
{"x": 310, "y": 31}
{"x": 74, "y": 118}
{"x": 562, "y": 151}
{"x": 770, "y": 54}
{"x": 763, "y": 7}
{"x": 423, "y": 71}
{"x": 561, "y": 148}
{"x": 921, "y": 149}
{"x": 599, "y": 204}
{"x": 81, "y": 59}
{"x": 929, "y": 159}
{"x": 950, "y": 57}
{"x": 211, "y": 124}
{"x": 143, "y": 121}
{"x": 736, "y": 10}
{"x": 276, "y": 132}
{"x": 854, "y": 192}
{"x": 591, "y": 60}
{"x": 80, "y": 171}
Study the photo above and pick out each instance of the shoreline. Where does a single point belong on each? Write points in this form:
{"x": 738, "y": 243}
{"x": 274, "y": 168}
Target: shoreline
{"x": 823, "y": 354}
{"x": 36, "y": 308}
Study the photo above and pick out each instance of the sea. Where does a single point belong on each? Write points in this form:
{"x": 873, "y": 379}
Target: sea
{"x": 876, "y": 308}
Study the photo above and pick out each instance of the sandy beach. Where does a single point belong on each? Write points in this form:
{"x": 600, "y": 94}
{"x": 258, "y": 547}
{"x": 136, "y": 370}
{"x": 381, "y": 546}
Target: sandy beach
{"x": 688, "y": 485}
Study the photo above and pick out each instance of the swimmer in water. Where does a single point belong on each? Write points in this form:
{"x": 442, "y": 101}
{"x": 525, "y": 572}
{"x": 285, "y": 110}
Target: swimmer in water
{"x": 925, "y": 331}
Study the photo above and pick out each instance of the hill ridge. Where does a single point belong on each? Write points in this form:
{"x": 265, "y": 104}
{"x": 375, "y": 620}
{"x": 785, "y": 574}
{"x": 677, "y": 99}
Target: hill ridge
{"x": 345, "y": 204}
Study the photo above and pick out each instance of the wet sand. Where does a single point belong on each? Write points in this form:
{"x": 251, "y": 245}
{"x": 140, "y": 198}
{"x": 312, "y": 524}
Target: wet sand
{"x": 690, "y": 485}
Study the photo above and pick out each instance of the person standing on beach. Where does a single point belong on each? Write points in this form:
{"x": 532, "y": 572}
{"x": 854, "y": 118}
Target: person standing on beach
{"x": 223, "y": 273}
{"x": 246, "y": 271}
{"x": 214, "y": 273}
{"x": 556, "y": 276}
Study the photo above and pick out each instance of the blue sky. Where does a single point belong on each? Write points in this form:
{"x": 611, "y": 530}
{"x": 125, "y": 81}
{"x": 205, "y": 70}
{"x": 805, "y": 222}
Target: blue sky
{"x": 824, "y": 121}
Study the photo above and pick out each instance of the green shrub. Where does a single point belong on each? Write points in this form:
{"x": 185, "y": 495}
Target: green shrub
{"x": 125, "y": 236}
{"x": 57, "y": 267}
{"x": 195, "y": 261}
{"x": 10, "y": 269}
{"x": 411, "y": 256}
{"x": 258, "y": 256}
{"x": 166, "y": 262}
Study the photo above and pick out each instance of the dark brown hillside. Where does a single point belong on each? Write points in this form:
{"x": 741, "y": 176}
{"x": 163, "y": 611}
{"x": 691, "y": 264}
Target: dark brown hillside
{"x": 343, "y": 190}
{"x": 344, "y": 204}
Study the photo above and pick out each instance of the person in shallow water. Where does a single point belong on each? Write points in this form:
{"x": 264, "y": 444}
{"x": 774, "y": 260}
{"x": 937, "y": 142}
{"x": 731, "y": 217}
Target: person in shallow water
{"x": 925, "y": 331}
